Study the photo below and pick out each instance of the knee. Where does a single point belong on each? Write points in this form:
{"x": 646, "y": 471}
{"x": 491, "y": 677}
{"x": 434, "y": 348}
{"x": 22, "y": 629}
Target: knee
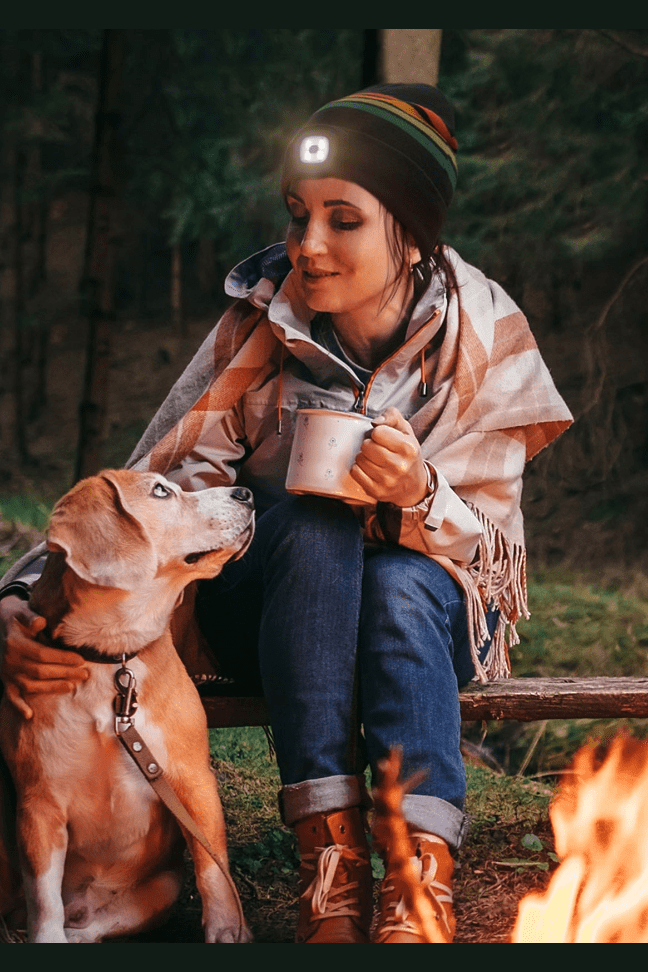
{"x": 399, "y": 575}
{"x": 310, "y": 524}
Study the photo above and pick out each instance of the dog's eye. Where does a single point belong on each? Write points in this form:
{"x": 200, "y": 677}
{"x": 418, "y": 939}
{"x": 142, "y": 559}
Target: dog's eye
{"x": 160, "y": 491}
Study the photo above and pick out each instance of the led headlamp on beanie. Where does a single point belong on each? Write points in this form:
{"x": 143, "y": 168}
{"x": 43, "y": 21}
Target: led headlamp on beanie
{"x": 396, "y": 141}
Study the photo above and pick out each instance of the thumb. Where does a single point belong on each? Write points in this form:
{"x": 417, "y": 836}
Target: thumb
{"x": 36, "y": 625}
{"x": 393, "y": 418}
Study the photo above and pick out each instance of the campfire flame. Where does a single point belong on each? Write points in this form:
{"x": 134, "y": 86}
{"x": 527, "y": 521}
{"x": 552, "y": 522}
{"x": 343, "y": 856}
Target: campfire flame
{"x": 599, "y": 893}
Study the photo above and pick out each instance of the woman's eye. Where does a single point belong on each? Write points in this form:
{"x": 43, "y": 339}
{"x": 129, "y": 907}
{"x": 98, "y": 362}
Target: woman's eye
{"x": 161, "y": 491}
{"x": 346, "y": 224}
{"x": 299, "y": 219}
{"x": 342, "y": 220}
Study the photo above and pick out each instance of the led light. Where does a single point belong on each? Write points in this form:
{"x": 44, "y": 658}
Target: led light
{"x": 314, "y": 148}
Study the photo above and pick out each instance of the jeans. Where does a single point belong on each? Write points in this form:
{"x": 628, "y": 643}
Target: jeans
{"x": 342, "y": 637}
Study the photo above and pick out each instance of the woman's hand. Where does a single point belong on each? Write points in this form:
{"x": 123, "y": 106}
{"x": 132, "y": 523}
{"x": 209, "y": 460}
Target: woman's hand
{"x": 389, "y": 467}
{"x": 28, "y": 666}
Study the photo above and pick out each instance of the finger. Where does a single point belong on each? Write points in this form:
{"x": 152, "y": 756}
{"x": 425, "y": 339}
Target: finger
{"x": 16, "y": 699}
{"x": 392, "y": 442}
{"x": 370, "y": 486}
{"x": 36, "y": 671}
{"x": 39, "y": 686}
{"x": 383, "y": 466}
{"x": 24, "y": 615}
{"x": 23, "y": 639}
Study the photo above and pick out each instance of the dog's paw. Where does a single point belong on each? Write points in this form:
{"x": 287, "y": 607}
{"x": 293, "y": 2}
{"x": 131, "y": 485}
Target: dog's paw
{"x": 217, "y": 933}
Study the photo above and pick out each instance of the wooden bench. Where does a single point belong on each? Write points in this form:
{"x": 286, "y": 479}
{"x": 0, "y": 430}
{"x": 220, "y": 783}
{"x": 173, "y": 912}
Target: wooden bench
{"x": 521, "y": 699}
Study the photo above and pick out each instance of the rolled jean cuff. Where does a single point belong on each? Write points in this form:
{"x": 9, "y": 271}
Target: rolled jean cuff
{"x": 431, "y": 815}
{"x": 300, "y": 800}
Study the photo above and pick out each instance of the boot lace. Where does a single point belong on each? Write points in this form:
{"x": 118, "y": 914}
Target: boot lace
{"x": 396, "y": 916}
{"x": 330, "y": 898}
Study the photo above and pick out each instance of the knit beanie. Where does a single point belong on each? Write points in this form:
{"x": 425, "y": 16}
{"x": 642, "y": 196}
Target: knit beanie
{"x": 396, "y": 141}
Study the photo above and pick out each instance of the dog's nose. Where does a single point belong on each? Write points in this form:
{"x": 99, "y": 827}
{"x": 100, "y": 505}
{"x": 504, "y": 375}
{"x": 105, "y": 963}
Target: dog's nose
{"x": 243, "y": 495}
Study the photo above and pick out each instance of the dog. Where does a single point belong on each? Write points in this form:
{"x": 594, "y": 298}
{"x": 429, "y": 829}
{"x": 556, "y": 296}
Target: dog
{"x": 97, "y": 853}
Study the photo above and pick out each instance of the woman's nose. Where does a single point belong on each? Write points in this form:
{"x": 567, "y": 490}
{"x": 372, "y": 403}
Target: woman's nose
{"x": 313, "y": 240}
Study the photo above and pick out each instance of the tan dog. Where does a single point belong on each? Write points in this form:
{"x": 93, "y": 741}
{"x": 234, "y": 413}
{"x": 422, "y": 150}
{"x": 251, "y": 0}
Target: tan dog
{"x": 100, "y": 855}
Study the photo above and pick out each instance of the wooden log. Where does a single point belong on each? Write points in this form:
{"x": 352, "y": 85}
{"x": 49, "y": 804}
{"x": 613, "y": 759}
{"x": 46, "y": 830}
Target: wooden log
{"x": 228, "y": 711}
{"x": 521, "y": 699}
{"x": 528, "y": 699}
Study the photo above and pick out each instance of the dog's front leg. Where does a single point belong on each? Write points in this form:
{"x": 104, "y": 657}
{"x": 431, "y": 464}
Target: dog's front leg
{"x": 223, "y": 919}
{"x": 43, "y": 841}
{"x": 222, "y": 915}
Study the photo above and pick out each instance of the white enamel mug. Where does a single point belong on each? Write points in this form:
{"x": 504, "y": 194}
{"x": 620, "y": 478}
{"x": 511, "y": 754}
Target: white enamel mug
{"x": 323, "y": 452}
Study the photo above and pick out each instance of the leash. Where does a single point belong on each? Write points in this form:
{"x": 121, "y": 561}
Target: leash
{"x": 125, "y": 705}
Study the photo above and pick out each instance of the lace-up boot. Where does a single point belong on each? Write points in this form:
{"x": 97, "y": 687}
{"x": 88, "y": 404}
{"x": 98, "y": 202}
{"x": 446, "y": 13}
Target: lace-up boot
{"x": 335, "y": 879}
{"x": 433, "y": 866}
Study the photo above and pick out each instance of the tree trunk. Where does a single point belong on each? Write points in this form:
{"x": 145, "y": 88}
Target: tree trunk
{"x": 38, "y": 218}
{"x": 176, "y": 289}
{"x": 410, "y": 54}
{"x": 19, "y": 312}
{"x": 101, "y": 244}
{"x": 13, "y": 432}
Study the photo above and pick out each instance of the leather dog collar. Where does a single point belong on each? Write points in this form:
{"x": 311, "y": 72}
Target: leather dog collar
{"x": 91, "y": 654}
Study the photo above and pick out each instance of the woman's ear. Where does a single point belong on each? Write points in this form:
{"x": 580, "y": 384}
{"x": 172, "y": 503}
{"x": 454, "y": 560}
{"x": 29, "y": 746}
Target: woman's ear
{"x": 414, "y": 252}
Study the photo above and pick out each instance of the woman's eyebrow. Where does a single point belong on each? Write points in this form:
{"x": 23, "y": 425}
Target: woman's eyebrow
{"x": 328, "y": 203}
{"x": 340, "y": 202}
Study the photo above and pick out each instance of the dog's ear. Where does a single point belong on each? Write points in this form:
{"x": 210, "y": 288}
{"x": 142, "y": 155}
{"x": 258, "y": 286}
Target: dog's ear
{"x": 102, "y": 540}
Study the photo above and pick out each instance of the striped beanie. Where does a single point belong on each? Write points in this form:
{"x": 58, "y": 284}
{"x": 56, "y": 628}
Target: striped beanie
{"x": 396, "y": 141}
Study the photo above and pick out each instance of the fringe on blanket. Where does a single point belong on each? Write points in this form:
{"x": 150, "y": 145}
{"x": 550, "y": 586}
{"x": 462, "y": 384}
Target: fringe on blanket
{"x": 495, "y": 579}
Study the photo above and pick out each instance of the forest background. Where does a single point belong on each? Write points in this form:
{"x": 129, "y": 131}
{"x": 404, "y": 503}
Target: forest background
{"x": 138, "y": 166}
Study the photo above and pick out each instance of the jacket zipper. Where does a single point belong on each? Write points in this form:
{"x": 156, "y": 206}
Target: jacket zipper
{"x": 361, "y": 398}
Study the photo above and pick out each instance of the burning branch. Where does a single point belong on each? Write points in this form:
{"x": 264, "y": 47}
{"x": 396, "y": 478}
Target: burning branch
{"x": 392, "y": 834}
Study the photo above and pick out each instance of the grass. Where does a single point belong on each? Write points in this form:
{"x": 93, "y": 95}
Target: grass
{"x": 22, "y": 521}
{"x": 263, "y": 853}
{"x": 580, "y": 628}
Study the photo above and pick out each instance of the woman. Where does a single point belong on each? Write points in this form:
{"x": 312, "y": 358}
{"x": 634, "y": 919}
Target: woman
{"x": 366, "y": 618}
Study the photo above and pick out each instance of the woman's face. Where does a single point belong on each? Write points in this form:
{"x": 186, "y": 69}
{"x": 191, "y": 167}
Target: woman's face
{"x": 339, "y": 247}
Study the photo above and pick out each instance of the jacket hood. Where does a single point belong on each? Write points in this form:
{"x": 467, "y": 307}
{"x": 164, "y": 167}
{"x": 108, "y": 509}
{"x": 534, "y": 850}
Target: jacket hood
{"x": 259, "y": 276}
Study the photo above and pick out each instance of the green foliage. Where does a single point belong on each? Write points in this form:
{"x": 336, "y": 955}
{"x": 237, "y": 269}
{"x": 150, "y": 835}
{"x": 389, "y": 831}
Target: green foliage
{"x": 25, "y": 510}
{"x": 538, "y": 857}
{"x": 552, "y": 128}
{"x": 212, "y": 112}
{"x": 495, "y": 799}
{"x": 22, "y": 518}
{"x": 248, "y": 744}
{"x": 275, "y": 854}
{"x": 509, "y": 826}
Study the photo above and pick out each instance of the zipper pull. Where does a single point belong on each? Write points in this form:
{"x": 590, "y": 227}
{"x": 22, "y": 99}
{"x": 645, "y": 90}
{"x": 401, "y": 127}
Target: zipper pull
{"x": 360, "y": 400}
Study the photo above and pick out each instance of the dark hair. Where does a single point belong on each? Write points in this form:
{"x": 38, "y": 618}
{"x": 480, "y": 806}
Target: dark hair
{"x": 399, "y": 242}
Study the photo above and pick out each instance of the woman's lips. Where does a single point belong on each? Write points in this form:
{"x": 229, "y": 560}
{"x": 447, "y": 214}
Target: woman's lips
{"x": 317, "y": 274}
